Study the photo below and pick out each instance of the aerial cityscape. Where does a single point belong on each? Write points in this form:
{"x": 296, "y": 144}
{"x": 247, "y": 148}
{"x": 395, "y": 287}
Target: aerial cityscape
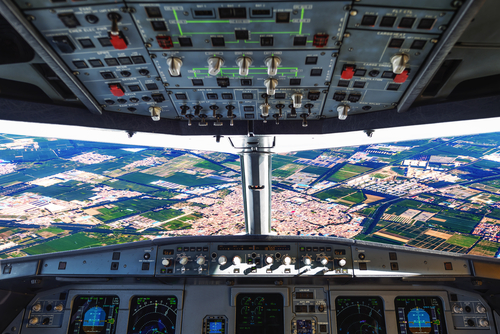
{"x": 439, "y": 194}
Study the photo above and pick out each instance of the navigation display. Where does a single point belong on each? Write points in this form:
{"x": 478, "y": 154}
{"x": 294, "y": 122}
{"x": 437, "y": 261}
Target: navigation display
{"x": 420, "y": 315}
{"x": 152, "y": 314}
{"x": 259, "y": 313}
{"x": 360, "y": 315}
{"x": 94, "y": 315}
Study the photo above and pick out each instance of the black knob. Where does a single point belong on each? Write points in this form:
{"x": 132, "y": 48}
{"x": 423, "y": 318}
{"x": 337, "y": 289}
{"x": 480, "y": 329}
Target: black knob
{"x": 147, "y": 256}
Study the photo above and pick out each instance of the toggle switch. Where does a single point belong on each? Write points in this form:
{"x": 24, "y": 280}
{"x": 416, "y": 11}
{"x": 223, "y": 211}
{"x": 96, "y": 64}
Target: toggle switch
{"x": 116, "y": 89}
{"x": 264, "y": 108}
{"x": 174, "y": 66}
{"x": 343, "y": 110}
{"x": 401, "y": 78}
{"x": 272, "y": 64}
{"x": 155, "y": 113}
{"x": 244, "y": 63}
{"x": 116, "y": 37}
{"x": 399, "y": 62}
{"x": 214, "y": 65}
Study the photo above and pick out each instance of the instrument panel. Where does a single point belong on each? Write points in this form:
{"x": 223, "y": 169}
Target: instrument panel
{"x": 245, "y": 309}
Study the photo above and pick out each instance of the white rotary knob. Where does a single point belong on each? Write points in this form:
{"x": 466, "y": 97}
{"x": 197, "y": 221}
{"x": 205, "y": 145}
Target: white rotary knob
{"x": 236, "y": 260}
{"x": 287, "y": 260}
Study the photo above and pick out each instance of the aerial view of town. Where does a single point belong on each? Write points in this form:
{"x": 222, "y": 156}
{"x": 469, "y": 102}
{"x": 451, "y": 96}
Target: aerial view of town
{"x": 439, "y": 194}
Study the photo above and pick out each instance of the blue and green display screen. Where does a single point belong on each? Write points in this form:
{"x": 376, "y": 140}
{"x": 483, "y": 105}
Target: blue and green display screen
{"x": 420, "y": 315}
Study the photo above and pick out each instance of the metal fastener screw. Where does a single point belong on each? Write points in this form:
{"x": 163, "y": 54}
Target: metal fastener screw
{"x": 166, "y": 84}
{"x": 347, "y": 7}
{"x": 148, "y": 45}
{"x": 185, "y": 13}
{"x": 442, "y": 28}
{"x": 164, "y": 54}
{"x": 295, "y": 12}
{"x": 207, "y": 41}
{"x": 322, "y": 53}
{"x": 347, "y": 34}
{"x": 76, "y": 73}
{"x": 335, "y": 54}
{"x": 30, "y": 18}
{"x": 153, "y": 56}
{"x": 353, "y": 12}
{"x": 434, "y": 40}
{"x": 457, "y": 3}
{"x": 350, "y": 49}
{"x": 125, "y": 28}
{"x": 158, "y": 79}
{"x": 417, "y": 53}
{"x": 53, "y": 11}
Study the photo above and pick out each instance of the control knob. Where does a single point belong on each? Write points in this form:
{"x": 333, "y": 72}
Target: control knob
{"x": 222, "y": 260}
{"x": 399, "y": 62}
{"x": 174, "y": 66}
{"x": 457, "y": 309}
{"x": 297, "y": 100}
{"x": 271, "y": 85}
{"x": 342, "y": 262}
{"x": 269, "y": 260}
{"x": 236, "y": 260}
{"x": 33, "y": 321}
{"x": 214, "y": 65}
{"x": 244, "y": 63}
{"x": 307, "y": 261}
{"x": 272, "y": 64}
{"x": 483, "y": 322}
{"x": 37, "y": 307}
{"x": 287, "y": 260}
{"x": 183, "y": 260}
{"x": 200, "y": 260}
{"x": 324, "y": 261}
{"x": 165, "y": 262}
{"x": 480, "y": 308}
{"x": 59, "y": 307}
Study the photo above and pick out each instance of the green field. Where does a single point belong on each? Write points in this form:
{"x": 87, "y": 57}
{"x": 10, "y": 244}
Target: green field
{"x": 208, "y": 165}
{"x": 279, "y": 160}
{"x": 192, "y": 180}
{"x": 347, "y": 172}
{"x": 404, "y": 205}
{"x": 162, "y": 215}
{"x": 315, "y": 170}
{"x": 485, "y": 248}
{"x": 308, "y": 154}
{"x": 283, "y": 173}
{"x": 124, "y": 185}
{"x": 75, "y": 241}
{"x": 66, "y": 191}
{"x": 55, "y": 230}
{"x": 462, "y": 240}
{"x": 130, "y": 207}
{"x": 453, "y": 223}
{"x": 141, "y": 178}
{"x": 334, "y": 193}
{"x": 356, "y": 197}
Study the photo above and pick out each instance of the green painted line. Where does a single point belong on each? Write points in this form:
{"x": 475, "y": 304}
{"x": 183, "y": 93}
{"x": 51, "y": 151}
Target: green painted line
{"x": 210, "y": 33}
{"x": 176, "y": 42}
{"x": 251, "y": 42}
{"x": 275, "y": 32}
{"x": 309, "y": 41}
{"x": 209, "y": 21}
{"x": 301, "y": 18}
{"x": 178, "y": 24}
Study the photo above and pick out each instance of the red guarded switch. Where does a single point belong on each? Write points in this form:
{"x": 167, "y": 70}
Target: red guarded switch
{"x": 165, "y": 42}
{"x": 320, "y": 40}
{"x": 401, "y": 78}
{"x": 118, "y": 41}
{"x": 347, "y": 72}
{"x": 116, "y": 90}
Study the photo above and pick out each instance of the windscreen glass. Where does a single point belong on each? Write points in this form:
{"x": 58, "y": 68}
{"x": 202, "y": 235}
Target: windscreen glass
{"x": 438, "y": 194}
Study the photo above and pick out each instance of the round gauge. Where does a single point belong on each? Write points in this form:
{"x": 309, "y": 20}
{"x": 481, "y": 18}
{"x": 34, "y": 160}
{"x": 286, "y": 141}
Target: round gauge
{"x": 150, "y": 315}
{"x": 360, "y": 315}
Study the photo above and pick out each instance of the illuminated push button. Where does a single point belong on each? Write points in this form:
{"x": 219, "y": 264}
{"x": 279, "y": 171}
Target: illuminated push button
{"x": 342, "y": 262}
{"x": 480, "y": 308}
{"x": 399, "y": 62}
{"x": 37, "y": 307}
{"x": 307, "y": 261}
{"x": 483, "y": 322}
{"x": 269, "y": 260}
{"x": 222, "y": 260}
{"x": 33, "y": 321}
{"x": 214, "y": 65}
{"x": 236, "y": 260}
{"x": 174, "y": 66}
{"x": 287, "y": 260}
{"x": 272, "y": 64}
{"x": 183, "y": 260}
{"x": 324, "y": 261}
{"x": 200, "y": 260}
{"x": 59, "y": 307}
{"x": 165, "y": 262}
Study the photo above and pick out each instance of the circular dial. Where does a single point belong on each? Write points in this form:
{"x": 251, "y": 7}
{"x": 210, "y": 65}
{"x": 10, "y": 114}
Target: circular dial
{"x": 200, "y": 260}
{"x": 153, "y": 315}
{"x": 222, "y": 260}
{"x": 236, "y": 260}
{"x": 360, "y": 315}
{"x": 287, "y": 260}
{"x": 269, "y": 260}
{"x": 183, "y": 260}
{"x": 342, "y": 262}
{"x": 307, "y": 261}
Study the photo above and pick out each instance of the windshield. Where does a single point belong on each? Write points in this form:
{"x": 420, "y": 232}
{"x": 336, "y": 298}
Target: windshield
{"x": 439, "y": 194}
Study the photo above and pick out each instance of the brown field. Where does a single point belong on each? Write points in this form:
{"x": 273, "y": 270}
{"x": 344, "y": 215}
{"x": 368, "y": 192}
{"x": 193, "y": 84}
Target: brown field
{"x": 438, "y": 234}
{"x": 438, "y": 219}
{"x": 392, "y": 236}
{"x": 93, "y": 211}
{"x": 371, "y": 198}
